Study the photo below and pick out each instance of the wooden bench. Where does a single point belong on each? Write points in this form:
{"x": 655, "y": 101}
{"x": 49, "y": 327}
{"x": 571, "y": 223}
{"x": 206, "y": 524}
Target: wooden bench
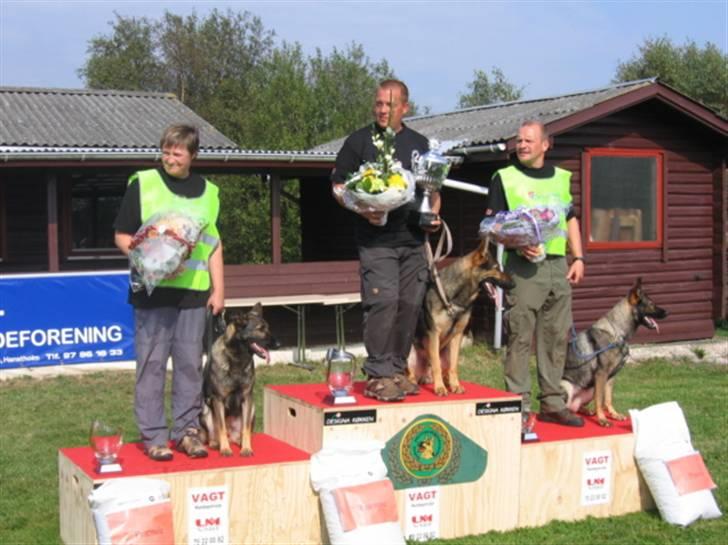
{"x": 293, "y": 286}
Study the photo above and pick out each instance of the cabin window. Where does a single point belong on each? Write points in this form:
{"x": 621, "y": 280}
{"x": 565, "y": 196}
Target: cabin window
{"x": 623, "y": 198}
{"x": 92, "y": 201}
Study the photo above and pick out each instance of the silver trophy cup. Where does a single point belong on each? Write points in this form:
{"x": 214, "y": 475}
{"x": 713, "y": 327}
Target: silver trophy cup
{"x": 430, "y": 170}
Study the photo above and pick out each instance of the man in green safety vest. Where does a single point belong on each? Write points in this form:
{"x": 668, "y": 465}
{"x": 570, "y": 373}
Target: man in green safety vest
{"x": 541, "y": 300}
{"x": 171, "y": 320}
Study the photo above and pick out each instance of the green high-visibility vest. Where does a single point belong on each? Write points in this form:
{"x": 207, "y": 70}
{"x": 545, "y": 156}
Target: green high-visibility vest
{"x": 522, "y": 190}
{"x": 155, "y": 196}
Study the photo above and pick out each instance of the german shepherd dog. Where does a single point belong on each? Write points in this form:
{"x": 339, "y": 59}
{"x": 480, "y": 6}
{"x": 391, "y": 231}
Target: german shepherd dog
{"x": 596, "y": 355}
{"x": 229, "y": 378}
{"x": 440, "y": 327}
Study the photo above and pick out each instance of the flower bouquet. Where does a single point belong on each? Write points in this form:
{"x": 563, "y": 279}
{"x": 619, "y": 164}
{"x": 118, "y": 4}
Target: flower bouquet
{"x": 524, "y": 226}
{"x": 382, "y": 185}
{"x": 161, "y": 246}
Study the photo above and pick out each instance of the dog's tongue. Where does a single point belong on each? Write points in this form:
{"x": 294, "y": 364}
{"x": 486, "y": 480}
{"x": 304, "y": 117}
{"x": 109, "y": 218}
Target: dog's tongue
{"x": 262, "y": 352}
{"x": 652, "y": 324}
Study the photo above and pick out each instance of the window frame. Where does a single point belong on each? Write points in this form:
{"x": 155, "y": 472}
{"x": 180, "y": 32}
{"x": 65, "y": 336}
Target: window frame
{"x": 69, "y": 253}
{"x": 660, "y": 213}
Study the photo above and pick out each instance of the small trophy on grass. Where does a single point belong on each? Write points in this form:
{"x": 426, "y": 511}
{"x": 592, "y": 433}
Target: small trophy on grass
{"x": 340, "y": 375}
{"x": 105, "y": 441}
{"x": 430, "y": 170}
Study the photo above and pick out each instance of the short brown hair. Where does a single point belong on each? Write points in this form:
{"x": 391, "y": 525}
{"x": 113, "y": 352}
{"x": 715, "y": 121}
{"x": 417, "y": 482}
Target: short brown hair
{"x": 181, "y": 135}
{"x": 388, "y": 83}
{"x": 540, "y": 125}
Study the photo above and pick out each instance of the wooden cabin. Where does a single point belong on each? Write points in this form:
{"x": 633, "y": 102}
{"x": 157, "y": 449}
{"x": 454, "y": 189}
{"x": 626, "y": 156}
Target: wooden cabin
{"x": 649, "y": 182}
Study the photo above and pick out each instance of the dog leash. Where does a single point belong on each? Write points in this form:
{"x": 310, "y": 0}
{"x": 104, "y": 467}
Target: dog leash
{"x": 210, "y": 330}
{"x": 432, "y": 261}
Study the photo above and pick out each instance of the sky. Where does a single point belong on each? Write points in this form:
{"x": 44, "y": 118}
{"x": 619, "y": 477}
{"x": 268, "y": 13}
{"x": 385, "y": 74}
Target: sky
{"x": 548, "y": 47}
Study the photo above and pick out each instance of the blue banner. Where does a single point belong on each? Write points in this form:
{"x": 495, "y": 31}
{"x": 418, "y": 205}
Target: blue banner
{"x": 54, "y": 319}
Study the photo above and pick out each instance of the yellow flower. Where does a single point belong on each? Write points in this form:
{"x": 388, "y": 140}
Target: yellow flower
{"x": 396, "y": 181}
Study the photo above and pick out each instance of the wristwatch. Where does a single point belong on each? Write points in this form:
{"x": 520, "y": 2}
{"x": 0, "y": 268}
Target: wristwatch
{"x": 580, "y": 258}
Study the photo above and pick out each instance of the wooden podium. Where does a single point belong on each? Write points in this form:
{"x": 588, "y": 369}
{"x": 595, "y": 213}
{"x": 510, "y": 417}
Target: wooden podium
{"x": 569, "y": 474}
{"x": 573, "y": 473}
{"x": 270, "y": 498}
{"x": 304, "y": 416}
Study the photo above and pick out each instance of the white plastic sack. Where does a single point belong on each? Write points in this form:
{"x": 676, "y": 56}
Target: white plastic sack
{"x": 355, "y": 470}
{"x": 132, "y": 511}
{"x": 661, "y": 436}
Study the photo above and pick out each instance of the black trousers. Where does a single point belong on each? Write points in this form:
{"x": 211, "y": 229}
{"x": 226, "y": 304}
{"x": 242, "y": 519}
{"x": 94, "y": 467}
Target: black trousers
{"x": 393, "y": 282}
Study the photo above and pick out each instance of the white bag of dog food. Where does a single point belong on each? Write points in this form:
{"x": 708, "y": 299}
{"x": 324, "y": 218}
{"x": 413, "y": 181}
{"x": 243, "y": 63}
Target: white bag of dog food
{"x": 132, "y": 511}
{"x": 357, "y": 498}
{"x": 672, "y": 469}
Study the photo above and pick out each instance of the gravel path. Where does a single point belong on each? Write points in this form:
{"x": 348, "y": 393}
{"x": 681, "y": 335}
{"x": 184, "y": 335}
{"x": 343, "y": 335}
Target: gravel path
{"x": 715, "y": 351}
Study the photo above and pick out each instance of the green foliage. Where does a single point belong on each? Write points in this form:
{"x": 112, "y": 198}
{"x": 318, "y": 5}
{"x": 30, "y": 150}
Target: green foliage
{"x": 247, "y": 239}
{"x": 35, "y": 429}
{"x": 126, "y": 59}
{"x": 700, "y": 73}
{"x": 489, "y": 90}
{"x": 227, "y": 67}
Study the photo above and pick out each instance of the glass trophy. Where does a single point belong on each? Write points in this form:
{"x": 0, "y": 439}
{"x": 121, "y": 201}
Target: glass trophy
{"x": 527, "y": 433}
{"x": 430, "y": 170}
{"x": 340, "y": 375}
{"x": 105, "y": 441}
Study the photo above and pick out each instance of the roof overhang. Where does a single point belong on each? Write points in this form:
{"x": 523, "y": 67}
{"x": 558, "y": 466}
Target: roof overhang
{"x": 232, "y": 158}
{"x": 658, "y": 91}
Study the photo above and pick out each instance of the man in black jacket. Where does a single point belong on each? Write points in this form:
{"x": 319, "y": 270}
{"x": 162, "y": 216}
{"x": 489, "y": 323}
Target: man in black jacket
{"x": 393, "y": 264}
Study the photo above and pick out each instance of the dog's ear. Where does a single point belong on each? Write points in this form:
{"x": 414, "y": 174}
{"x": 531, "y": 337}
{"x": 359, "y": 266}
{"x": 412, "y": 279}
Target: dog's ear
{"x": 635, "y": 294}
{"x": 257, "y": 309}
{"x": 484, "y": 247}
{"x": 230, "y": 330}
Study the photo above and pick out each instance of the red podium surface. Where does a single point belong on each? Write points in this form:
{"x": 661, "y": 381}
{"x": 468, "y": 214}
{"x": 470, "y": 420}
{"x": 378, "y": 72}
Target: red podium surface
{"x": 317, "y": 395}
{"x": 134, "y": 463}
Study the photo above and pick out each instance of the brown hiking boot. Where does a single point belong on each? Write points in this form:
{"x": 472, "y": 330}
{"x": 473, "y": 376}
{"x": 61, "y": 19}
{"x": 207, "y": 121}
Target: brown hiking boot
{"x": 159, "y": 453}
{"x": 383, "y": 389}
{"x": 564, "y": 417}
{"x": 404, "y": 384}
{"x": 191, "y": 444}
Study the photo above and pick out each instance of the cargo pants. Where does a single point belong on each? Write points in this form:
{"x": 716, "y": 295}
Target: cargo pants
{"x": 159, "y": 333}
{"x": 540, "y": 303}
{"x": 393, "y": 283}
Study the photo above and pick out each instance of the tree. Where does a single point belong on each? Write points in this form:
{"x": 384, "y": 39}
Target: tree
{"x": 227, "y": 67}
{"x": 484, "y": 90}
{"x": 700, "y": 73}
{"x": 125, "y": 60}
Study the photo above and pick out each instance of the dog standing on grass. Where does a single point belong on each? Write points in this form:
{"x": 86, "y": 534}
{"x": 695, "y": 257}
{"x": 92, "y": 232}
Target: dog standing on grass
{"x": 440, "y": 328}
{"x": 596, "y": 355}
{"x": 229, "y": 378}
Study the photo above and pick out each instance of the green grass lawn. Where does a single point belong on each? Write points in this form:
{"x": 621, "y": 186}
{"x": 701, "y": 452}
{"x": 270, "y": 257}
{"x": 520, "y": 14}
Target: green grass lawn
{"x": 43, "y": 415}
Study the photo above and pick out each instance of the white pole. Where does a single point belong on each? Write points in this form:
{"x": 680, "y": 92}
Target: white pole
{"x": 464, "y": 186}
{"x": 498, "y": 327}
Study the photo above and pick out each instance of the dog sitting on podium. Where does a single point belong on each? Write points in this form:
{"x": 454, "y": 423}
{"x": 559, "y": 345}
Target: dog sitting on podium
{"x": 596, "y": 355}
{"x": 229, "y": 378}
{"x": 444, "y": 317}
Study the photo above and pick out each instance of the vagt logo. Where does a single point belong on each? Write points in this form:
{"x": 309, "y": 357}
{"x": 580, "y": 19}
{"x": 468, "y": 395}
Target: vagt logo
{"x": 430, "y": 452}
